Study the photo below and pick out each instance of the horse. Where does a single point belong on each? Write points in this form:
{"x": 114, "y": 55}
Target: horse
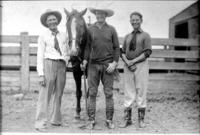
{"x": 76, "y": 28}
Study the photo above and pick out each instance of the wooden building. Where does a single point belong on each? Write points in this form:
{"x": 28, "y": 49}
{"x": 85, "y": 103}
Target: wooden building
{"x": 185, "y": 24}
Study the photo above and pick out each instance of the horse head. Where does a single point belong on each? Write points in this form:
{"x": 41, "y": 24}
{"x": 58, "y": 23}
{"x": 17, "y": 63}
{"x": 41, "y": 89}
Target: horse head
{"x": 76, "y": 29}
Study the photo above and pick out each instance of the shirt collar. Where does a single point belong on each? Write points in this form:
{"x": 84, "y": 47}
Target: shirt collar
{"x": 139, "y": 30}
{"x": 105, "y": 24}
{"x": 52, "y": 33}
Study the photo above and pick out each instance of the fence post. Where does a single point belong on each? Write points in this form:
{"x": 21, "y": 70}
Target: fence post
{"x": 25, "y": 77}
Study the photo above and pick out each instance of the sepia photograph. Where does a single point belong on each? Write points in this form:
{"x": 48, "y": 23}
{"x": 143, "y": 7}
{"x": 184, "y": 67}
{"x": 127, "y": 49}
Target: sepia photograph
{"x": 99, "y": 67}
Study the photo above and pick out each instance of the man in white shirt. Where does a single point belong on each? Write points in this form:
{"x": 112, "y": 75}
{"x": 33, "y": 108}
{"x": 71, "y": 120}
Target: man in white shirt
{"x": 52, "y": 58}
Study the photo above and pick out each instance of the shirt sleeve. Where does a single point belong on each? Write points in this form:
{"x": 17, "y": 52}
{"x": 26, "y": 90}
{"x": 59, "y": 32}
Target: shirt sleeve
{"x": 115, "y": 40}
{"x": 123, "y": 49}
{"x": 124, "y": 45}
{"x": 40, "y": 56}
{"x": 147, "y": 46}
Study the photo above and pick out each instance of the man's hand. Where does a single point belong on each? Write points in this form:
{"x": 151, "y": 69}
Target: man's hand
{"x": 111, "y": 67}
{"x": 129, "y": 63}
{"x": 83, "y": 65}
{"x": 132, "y": 68}
{"x": 42, "y": 81}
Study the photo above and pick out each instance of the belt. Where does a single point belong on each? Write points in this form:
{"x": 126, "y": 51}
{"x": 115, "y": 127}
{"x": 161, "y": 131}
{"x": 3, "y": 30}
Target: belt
{"x": 58, "y": 60}
{"x": 105, "y": 62}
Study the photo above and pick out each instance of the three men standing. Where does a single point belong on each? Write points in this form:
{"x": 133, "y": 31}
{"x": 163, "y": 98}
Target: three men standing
{"x": 101, "y": 55}
{"x": 52, "y": 58}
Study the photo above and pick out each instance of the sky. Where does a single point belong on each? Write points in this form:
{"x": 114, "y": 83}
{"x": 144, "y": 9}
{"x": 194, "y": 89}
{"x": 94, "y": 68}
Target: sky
{"x": 24, "y": 16}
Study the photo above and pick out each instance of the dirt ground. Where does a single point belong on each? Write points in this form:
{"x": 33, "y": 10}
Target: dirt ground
{"x": 166, "y": 113}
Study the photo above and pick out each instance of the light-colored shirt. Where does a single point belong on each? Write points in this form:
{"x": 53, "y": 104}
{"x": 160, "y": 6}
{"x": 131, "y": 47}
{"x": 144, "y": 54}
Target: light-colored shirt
{"x": 46, "y": 49}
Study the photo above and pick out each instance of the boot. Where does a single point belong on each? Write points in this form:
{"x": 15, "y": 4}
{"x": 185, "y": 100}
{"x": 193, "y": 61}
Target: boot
{"x": 127, "y": 118}
{"x": 110, "y": 124}
{"x": 141, "y": 114}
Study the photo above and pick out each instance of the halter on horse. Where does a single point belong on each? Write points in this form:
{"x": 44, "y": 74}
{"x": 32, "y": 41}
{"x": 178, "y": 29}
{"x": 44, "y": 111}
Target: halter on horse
{"x": 77, "y": 32}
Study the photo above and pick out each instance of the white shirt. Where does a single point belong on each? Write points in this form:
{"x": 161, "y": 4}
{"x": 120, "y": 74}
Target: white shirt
{"x": 46, "y": 49}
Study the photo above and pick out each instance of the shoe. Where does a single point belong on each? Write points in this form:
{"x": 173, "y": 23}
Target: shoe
{"x": 54, "y": 124}
{"x": 141, "y": 114}
{"x": 43, "y": 129}
{"x": 64, "y": 124}
{"x": 125, "y": 124}
{"x": 127, "y": 118}
{"x": 142, "y": 124}
{"x": 110, "y": 124}
{"x": 90, "y": 125}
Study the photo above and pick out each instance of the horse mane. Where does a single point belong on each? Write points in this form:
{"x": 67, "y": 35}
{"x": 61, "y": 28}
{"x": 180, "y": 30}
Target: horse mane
{"x": 85, "y": 34}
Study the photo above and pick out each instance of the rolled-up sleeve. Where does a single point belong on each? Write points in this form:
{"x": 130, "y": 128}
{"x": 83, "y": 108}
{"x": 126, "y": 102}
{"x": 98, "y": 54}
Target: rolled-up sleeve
{"x": 147, "y": 46}
{"x": 124, "y": 44}
{"x": 123, "y": 49}
{"x": 40, "y": 56}
{"x": 116, "y": 48}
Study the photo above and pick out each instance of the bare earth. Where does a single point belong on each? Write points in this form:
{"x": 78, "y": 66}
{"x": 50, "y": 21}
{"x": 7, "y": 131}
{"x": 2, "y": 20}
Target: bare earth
{"x": 166, "y": 113}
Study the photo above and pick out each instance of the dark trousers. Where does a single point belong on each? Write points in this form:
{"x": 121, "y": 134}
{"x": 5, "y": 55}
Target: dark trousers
{"x": 97, "y": 72}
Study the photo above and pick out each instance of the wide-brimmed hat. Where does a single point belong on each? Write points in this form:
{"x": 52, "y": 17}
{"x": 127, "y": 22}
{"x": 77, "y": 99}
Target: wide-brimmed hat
{"x": 108, "y": 12}
{"x": 48, "y": 12}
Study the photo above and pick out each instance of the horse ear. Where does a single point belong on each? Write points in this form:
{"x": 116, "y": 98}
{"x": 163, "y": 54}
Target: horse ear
{"x": 83, "y": 12}
{"x": 66, "y": 12}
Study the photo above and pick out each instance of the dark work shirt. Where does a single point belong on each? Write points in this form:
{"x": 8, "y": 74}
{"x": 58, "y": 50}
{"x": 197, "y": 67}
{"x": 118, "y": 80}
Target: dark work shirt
{"x": 103, "y": 44}
{"x": 143, "y": 45}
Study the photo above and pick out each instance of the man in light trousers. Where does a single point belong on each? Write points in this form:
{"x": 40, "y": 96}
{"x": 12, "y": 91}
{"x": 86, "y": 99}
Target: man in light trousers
{"x": 136, "y": 49}
{"x": 52, "y": 58}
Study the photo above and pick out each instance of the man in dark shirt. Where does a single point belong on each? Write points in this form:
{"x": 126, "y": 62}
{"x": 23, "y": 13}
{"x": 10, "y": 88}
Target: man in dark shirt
{"x": 102, "y": 55}
{"x": 136, "y": 49}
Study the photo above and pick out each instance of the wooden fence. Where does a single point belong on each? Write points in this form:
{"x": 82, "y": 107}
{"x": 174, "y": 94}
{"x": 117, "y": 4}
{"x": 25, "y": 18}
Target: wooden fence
{"x": 24, "y": 57}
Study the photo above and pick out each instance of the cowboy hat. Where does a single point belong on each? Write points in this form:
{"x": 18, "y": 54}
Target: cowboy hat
{"x": 108, "y": 12}
{"x": 48, "y": 12}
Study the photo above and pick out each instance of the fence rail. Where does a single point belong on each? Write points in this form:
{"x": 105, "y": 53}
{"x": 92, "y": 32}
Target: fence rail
{"x": 24, "y": 56}
{"x": 154, "y": 41}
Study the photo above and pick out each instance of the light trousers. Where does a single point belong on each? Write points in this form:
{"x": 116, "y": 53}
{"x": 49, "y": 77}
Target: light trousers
{"x": 55, "y": 77}
{"x": 135, "y": 85}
